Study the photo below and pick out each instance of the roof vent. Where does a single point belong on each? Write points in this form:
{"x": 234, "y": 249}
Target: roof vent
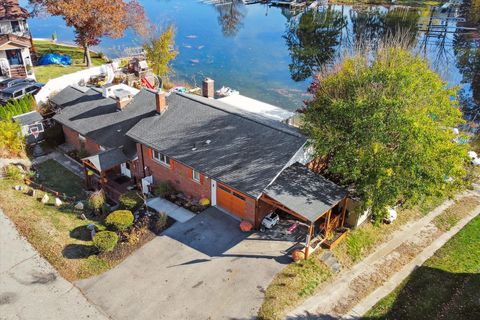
{"x": 208, "y": 141}
{"x": 194, "y": 147}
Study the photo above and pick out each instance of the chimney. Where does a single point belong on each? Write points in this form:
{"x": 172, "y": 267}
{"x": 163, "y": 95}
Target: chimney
{"x": 161, "y": 102}
{"x": 121, "y": 103}
{"x": 208, "y": 88}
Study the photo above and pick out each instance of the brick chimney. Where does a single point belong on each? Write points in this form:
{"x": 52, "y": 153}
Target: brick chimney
{"x": 208, "y": 88}
{"x": 122, "y": 103}
{"x": 161, "y": 102}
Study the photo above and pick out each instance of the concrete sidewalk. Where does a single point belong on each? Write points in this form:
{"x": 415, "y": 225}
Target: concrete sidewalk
{"x": 171, "y": 209}
{"x": 327, "y": 303}
{"x": 30, "y": 288}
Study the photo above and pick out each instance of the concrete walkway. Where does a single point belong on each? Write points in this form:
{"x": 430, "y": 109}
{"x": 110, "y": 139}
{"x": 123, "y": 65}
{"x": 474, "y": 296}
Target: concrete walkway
{"x": 30, "y": 288}
{"x": 337, "y": 298}
{"x": 171, "y": 209}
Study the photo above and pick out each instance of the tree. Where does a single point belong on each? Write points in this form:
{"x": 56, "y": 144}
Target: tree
{"x": 230, "y": 16}
{"x": 94, "y": 19}
{"x": 11, "y": 140}
{"x": 160, "y": 52}
{"x": 385, "y": 126}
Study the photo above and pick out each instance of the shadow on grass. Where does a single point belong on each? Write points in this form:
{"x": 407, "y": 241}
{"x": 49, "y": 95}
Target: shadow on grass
{"x": 429, "y": 293}
{"x": 78, "y": 251}
{"x": 81, "y": 233}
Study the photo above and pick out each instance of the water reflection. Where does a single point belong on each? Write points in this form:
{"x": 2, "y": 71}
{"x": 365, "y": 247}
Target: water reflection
{"x": 230, "y": 16}
{"x": 312, "y": 40}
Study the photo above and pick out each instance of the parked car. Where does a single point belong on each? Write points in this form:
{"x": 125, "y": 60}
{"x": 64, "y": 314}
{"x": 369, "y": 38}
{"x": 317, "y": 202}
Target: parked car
{"x": 269, "y": 221}
{"x": 19, "y": 90}
{"x": 10, "y": 82}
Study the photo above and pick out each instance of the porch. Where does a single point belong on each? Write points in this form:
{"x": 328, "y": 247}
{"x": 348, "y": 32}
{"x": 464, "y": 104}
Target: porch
{"x": 108, "y": 171}
{"x": 316, "y": 202}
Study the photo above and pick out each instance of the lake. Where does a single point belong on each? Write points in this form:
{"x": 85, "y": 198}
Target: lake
{"x": 270, "y": 53}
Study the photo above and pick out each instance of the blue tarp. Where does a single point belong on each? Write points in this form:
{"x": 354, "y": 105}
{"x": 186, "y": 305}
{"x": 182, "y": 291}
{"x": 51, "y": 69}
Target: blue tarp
{"x": 53, "y": 58}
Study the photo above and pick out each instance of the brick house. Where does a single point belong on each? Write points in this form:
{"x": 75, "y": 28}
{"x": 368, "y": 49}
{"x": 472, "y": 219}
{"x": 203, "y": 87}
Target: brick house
{"x": 245, "y": 163}
{"x": 94, "y": 123}
{"x": 15, "y": 41}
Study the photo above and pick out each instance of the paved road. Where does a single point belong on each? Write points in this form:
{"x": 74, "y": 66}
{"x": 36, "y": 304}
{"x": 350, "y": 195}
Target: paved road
{"x": 204, "y": 268}
{"x": 29, "y": 286}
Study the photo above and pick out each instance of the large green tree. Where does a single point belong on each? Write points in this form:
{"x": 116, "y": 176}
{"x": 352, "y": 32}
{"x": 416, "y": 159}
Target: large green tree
{"x": 385, "y": 125}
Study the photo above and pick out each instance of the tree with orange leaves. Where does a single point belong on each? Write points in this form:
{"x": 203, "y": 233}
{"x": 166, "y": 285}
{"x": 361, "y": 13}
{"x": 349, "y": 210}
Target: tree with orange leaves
{"x": 94, "y": 19}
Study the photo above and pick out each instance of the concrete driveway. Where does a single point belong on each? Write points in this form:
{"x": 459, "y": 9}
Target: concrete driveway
{"x": 202, "y": 269}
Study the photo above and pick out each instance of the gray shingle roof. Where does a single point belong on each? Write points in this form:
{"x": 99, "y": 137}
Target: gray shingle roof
{"x": 305, "y": 192}
{"x": 28, "y": 118}
{"x": 245, "y": 151}
{"x": 107, "y": 159}
{"x": 97, "y": 117}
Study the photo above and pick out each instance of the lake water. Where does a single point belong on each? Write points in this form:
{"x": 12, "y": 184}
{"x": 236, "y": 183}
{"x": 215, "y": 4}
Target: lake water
{"x": 270, "y": 53}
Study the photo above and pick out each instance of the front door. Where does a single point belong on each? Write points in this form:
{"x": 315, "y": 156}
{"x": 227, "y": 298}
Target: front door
{"x": 125, "y": 169}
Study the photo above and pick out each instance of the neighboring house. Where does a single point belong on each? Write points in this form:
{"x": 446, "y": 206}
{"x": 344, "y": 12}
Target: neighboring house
{"x": 95, "y": 122}
{"x": 15, "y": 41}
{"x": 29, "y": 122}
{"x": 245, "y": 163}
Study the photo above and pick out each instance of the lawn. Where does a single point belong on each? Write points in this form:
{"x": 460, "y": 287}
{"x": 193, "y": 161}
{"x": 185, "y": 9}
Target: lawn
{"x": 54, "y": 176}
{"x": 292, "y": 285}
{"x": 45, "y": 73}
{"x": 444, "y": 287}
{"x": 56, "y": 233}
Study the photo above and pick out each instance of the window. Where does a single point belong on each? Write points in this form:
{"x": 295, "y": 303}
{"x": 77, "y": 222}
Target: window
{"x": 14, "y": 57}
{"x": 16, "y": 26}
{"x": 239, "y": 196}
{"x": 163, "y": 159}
{"x": 195, "y": 176}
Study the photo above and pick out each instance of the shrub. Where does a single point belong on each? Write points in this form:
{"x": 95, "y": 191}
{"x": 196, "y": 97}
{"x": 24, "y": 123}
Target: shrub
{"x": 13, "y": 172}
{"x": 162, "y": 189}
{"x": 11, "y": 140}
{"x": 120, "y": 220}
{"x": 130, "y": 201}
{"x": 105, "y": 241}
{"x": 96, "y": 201}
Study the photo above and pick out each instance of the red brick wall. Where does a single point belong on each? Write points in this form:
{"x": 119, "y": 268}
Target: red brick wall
{"x": 71, "y": 137}
{"x": 179, "y": 175}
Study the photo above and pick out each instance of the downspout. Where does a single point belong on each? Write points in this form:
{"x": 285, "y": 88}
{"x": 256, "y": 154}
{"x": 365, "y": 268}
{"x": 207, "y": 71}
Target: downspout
{"x": 143, "y": 161}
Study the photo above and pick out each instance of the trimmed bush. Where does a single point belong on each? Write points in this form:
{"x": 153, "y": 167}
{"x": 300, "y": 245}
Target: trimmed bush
{"x": 162, "y": 189}
{"x": 105, "y": 241}
{"x": 120, "y": 220}
{"x": 130, "y": 201}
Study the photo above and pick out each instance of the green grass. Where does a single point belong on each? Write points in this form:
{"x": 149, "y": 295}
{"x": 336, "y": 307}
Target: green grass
{"x": 445, "y": 287}
{"x": 56, "y": 233}
{"x": 54, "y": 176}
{"x": 45, "y": 73}
{"x": 292, "y": 285}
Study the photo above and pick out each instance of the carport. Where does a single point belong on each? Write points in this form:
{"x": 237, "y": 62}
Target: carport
{"x": 313, "y": 199}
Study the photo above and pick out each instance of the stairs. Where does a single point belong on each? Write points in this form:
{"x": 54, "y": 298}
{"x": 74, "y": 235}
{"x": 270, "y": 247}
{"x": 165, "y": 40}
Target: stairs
{"x": 18, "y": 72}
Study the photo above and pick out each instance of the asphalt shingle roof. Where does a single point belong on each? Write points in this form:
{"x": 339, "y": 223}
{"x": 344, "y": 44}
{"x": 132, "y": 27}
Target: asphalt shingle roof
{"x": 305, "y": 192}
{"x": 107, "y": 159}
{"x": 28, "y": 118}
{"x": 92, "y": 115}
{"x": 242, "y": 150}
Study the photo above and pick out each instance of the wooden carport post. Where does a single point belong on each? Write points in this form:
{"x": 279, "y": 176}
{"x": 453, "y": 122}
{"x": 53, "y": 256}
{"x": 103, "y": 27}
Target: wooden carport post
{"x": 344, "y": 210}
{"x": 309, "y": 239}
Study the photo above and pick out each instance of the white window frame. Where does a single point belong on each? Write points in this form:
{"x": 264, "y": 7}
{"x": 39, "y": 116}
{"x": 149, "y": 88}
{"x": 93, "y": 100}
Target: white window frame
{"x": 195, "y": 173}
{"x": 161, "y": 158}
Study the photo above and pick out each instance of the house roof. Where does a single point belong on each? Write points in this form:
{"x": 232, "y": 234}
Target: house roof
{"x": 107, "y": 159}
{"x": 243, "y": 150}
{"x": 15, "y": 40}
{"x": 11, "y": 10}
{"x": 305, "y": 192}
{"x": 28, "y": 118}
{"x": 88, "y": 112}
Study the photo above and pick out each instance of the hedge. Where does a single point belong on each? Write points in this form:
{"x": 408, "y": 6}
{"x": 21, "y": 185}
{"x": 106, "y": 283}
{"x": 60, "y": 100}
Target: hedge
{"x": 105, "y": 241}
{"x": 120, "y": 220}
{"x": 130, "y": 201}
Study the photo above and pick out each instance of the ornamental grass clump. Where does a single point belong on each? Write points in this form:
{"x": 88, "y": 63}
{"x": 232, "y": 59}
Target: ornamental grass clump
{"x": 120, "y": 220}
{"x": 105, "y": 241}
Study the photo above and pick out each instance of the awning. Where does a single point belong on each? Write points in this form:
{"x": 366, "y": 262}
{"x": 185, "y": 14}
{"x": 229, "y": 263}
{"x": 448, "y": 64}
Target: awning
{"x": 306, "y": 193}
{"x": 107, "y": 160}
